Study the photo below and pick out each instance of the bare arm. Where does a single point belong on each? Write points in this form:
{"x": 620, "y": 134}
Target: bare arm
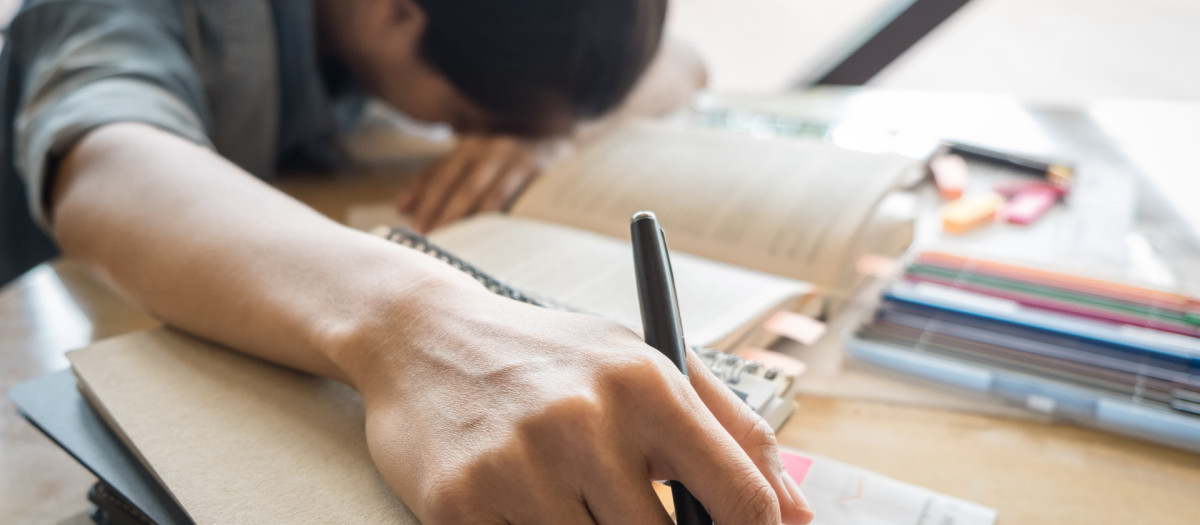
{"x": 555, "y": 428}
{"x": 215, "y": 251}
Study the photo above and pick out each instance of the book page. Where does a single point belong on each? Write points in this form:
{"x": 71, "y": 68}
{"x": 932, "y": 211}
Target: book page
{"x": 592, "y": 273}
{"x": 785, "y": 206}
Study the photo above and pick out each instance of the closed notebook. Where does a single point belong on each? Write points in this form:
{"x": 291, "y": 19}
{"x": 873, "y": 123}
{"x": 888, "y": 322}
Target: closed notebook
{"x": 234, "y": 439}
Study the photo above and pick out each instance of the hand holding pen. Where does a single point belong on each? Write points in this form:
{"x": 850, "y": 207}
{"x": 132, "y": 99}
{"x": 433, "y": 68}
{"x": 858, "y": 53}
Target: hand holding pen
{"x": 663, "y": 330}
{"x": 535, "y": 415}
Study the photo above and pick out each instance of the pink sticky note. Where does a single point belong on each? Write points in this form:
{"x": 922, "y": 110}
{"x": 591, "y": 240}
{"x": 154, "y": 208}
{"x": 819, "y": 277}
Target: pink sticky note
{"x": 796, "y": 327}
{"x": 773, "y": 359}
{"x": 797, "y": 466}
{"x": 1027, "y": 205}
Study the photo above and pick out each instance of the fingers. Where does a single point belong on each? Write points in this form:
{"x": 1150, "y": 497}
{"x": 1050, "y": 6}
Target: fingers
{"x": 507, "y": 187}
{"x": 521, "y": 172}
{"x": 507, "y": 486}
{"x": 624, "y": 495}
{"x": 451, "y": 165}
{"x": 715, "y": 470}
{"x": 407, "y": 199}
{"x": 753, "y": 435}
{"x": 483, "y": 173}
{"x": 555, "y": 506}
{"x": 443, "y": 181}
{"x": 496, "y": 158}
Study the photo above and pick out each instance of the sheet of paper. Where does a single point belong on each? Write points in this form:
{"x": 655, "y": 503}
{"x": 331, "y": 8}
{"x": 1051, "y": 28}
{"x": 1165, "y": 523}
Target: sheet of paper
{"x": 841, "y": 494}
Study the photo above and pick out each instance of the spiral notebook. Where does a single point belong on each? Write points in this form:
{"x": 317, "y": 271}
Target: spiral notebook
{"x": 766, "y": 389}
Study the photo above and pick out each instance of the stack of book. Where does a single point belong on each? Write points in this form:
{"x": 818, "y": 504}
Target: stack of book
{"x": 1113, "y": 355}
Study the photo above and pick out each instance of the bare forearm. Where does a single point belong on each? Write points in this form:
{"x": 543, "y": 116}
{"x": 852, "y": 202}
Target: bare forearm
{"x": 214, "y": 251}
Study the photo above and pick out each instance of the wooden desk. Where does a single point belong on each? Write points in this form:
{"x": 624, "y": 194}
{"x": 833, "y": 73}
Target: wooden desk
{"x": 1033, "y": 472}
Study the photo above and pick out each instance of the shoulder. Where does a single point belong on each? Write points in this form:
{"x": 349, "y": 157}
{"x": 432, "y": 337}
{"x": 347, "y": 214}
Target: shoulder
{"x": 42, "y": 21}
{"x": 60, "y": 43}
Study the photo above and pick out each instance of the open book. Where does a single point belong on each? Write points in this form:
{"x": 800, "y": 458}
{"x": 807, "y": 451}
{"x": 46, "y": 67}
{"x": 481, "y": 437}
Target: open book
{"x": 755, "y": 225}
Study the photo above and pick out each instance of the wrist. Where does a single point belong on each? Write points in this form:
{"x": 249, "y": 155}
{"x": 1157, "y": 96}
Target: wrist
{"x": 372, "y": 347}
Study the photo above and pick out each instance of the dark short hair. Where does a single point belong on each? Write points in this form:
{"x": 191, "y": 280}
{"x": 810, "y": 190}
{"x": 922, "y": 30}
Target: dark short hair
{"x": 537, "y": 57}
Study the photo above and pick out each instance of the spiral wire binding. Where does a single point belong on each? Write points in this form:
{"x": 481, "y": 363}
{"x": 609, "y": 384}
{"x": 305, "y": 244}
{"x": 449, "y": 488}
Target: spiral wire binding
{"x": 728, "y": 367}
{"x": 407, "y": 237}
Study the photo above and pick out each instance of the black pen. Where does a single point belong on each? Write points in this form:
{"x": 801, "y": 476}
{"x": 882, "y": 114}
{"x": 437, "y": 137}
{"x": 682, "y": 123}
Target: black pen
{"x": 662, "y": 327}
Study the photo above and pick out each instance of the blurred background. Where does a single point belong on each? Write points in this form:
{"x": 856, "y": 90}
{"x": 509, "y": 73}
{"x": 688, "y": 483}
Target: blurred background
{"x": 1049, "y": 50}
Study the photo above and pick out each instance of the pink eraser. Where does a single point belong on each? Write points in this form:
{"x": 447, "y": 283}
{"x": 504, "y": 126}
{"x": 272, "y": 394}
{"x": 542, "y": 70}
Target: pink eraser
{"x": 1026, "y": 206}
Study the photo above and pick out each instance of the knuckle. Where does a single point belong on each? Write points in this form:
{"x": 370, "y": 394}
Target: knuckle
{"x": 447, "y": 500}
{"x": 635, "y": 376}
{"x": 756, "y": 502}
{"x": 759, "y": 436}
{"x": 492, "y": 202}
{"x": 503, "y": 142}
{"x": 570, "y": 419}
{"x": 478, "y": 184}
{"x": 436, "y": 186}
{"x": 468, "y": 144}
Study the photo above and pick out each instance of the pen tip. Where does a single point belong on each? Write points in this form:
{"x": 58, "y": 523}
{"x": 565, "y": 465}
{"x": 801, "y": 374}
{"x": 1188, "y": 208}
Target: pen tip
{"x": 644, "y": 214}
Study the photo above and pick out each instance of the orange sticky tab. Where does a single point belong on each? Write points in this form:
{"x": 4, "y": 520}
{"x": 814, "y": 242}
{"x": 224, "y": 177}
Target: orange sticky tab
{"x": 796, "y": 327}
{"x": 970, "y": 212}
{"x": 949, "y": 174}
{"x": 772, "y": 359}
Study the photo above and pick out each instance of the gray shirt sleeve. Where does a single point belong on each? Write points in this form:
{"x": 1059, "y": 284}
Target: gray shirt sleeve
{"x": 85, "y": 64}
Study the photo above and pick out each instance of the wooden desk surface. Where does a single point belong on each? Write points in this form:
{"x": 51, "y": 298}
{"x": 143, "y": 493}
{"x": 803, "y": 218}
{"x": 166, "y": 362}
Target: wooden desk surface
{"x": 1032, "y": 472}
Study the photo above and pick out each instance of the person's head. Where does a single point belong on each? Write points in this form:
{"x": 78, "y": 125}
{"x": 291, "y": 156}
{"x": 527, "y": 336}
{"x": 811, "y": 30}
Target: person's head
{"x": 531, "y": 67}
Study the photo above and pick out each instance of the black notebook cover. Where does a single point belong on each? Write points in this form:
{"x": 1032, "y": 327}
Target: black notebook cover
{"x": 53, "y": 404}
